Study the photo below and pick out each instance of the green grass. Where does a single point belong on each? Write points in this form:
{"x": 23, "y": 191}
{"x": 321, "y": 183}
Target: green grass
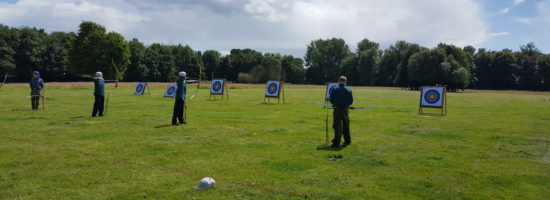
{"x": 492, "y": 145}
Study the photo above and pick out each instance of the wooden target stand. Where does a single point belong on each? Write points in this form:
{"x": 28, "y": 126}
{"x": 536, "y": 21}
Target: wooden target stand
{"x": 225, "y": 91}
{"x": 146, "y": 86}
{"x": 278, "y": 97}
{"x": 442, "y": 108}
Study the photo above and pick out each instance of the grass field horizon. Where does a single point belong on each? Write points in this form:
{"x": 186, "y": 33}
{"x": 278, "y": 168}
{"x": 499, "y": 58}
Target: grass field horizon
{"x": 492, "y": 145}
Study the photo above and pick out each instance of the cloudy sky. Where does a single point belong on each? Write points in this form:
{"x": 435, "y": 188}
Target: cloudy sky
{"x": 287, "y": 26}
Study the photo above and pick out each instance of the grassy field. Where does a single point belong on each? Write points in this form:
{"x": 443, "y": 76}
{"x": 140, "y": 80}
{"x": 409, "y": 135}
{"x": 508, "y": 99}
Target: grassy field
{"x": 492, "y": 145}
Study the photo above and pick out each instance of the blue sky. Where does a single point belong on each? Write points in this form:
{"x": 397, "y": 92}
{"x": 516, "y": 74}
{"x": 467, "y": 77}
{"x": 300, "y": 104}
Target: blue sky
{"x": 287, "y": 26}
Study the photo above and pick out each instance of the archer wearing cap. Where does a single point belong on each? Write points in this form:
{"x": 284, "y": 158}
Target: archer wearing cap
{"x": 179, "y": 105}
{"x": 341, "y": 98}
{"x": 37, "y": 84}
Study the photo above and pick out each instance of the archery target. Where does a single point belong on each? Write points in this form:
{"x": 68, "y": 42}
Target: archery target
{"x": 171, "y": 91}
{"x": 273, "y": 89}
{"x": 217, "y": 86}
{"x": 140, "y": 88}
{"x": 432, "y": 97}
{"x": 329, "y": 86}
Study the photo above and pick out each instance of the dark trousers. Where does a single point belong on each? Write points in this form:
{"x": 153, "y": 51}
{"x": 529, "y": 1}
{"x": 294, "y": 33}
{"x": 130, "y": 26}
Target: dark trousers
{"x": 340, "y": 124}
{"x": 179, "y": 109}
{"x": 99, "y": 105}
{"x": 35, "y": 99}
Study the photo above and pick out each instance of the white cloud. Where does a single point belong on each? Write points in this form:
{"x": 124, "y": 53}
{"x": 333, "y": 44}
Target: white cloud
{"x": 499, "y": 34}
{"x": 285, "y": 26}
{"x": 505, "y": 11}
{"x": 517, "y": 2}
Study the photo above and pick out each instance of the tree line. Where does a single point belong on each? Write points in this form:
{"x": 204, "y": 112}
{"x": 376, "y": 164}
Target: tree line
{"x": 68, "y": 56}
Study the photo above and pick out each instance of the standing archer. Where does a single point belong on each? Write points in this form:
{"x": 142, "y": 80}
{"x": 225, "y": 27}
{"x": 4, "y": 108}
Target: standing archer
{"x": 37, "y": 84}
{"x": 341, "y": 98}
{"x": 99, "y": 93}
{"x": 179, "y": 105}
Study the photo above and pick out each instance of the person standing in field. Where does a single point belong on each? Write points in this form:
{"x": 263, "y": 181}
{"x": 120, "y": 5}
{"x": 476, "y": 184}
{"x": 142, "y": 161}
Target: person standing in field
{"x": 99, "y": 93}
{"x": 341, "y": 98}
{"x": 37, "y": 84}
{"x": 179, "y": 105}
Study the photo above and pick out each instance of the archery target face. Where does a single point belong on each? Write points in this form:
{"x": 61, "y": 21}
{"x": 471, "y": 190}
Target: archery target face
{"x": 273, "y": 88}
{"x": 329, "y": 86}
{"x": 432, "y": 97}
{"x": 217, "y": 86}
{"x": 171, "y": 91}
{"x": 140, "y": 88}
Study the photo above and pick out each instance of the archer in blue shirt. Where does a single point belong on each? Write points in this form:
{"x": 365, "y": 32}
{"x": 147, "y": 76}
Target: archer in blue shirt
{"x": 37, "y": 84}
{"x": 179, "y": 105}
{"x": 99, "y": 93}
{"x": 341, "y": 98}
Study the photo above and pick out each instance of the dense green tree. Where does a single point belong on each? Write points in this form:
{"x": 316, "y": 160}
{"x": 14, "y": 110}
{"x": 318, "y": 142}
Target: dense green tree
{"x": 96, "y": 50}
{"x": 29, "y": 53}
{"x": 242, "y": 61}
{"x": 368, "y": 57}
{"x": 324, "y": 59}
{"x": 544, "y": 71}
{"x": 137, "y": 70}
{"x": 427, "y": 67}
{"x": 8, "y": 43}
{"x": 527, "y": 62}
{"x": 292, "y": 69}
{"x": 160, "y": 61}
{"x": 212, "y": 60}
{"x": 393, "y": 66}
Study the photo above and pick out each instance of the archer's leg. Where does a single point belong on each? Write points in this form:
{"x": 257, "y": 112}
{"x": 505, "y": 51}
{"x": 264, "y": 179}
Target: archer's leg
{"x": 175, "y": 113}
{"x": 337, "y": 125}
{"x": 96, "y": 106}
{"x": 182, "y": 110}
{"x": 101, "y": 105}
{"x": 345, "y": 123}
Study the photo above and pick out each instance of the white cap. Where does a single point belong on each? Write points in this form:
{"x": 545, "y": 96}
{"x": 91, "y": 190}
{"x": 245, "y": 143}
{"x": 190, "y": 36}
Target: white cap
{"x": 182, "y": 74}
{"x": 206, "y": 183}
{"x": 98, "y": 74}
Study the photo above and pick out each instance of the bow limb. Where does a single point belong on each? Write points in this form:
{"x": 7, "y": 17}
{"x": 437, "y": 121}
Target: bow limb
{"x": 5, "y": 78}
{"x": 200, "y": 79}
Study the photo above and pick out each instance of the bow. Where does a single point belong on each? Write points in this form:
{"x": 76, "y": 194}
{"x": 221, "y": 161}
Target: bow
{"x": 352, "y": 108}
{"x": 117, "y": 77}
{"x": 199, "y": 81}
{"x": 332, "y": 107}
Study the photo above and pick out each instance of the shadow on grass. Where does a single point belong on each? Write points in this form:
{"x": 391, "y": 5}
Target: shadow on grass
{"x": 164, "y": 126}
{"x": 328, "y": 148}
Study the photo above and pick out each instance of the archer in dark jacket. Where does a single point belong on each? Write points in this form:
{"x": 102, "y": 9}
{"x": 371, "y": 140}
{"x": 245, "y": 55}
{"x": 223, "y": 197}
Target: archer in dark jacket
{"x": 179, "y": 105}
{"x": 99, "y": 93}
{"x": 341, "y": 98}
{"x": 37, "y": 84}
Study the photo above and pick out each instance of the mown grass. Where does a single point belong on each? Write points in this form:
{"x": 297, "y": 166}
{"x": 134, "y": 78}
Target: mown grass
{"x": 492, "y": 145}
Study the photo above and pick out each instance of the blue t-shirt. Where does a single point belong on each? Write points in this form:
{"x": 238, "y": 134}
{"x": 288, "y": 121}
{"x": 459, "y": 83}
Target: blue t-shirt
{"x": 341, "y": 96}
{"x": 36, "y": 83}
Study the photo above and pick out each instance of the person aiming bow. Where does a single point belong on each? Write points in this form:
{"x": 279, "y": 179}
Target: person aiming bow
{"x": 341, "y": 99}
{"x": 179, "y": 105}
{"x": 37, "y": 84}
{"x": 99, "y": 93}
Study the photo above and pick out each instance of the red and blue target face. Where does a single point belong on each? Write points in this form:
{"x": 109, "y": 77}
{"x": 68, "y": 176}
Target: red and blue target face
{"x": 432, "y": 96}
{"x": 272, "y": 88}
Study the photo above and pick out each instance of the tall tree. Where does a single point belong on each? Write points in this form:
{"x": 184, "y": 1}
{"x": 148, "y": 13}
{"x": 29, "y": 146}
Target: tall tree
{"x": 212, "y": 60}
{"x": 137, "y": 70}
{"x": 96, "y": 50}
{"x": 324, "y": 59}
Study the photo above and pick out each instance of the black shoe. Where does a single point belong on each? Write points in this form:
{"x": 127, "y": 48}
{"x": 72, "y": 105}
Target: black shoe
{"x": 175, "y": 124}
{"x": 93, "y": 115}
{"x": 101, "y": 115}
{"x": 335, "y": 146}
{"x": 183, "y": 122}
{"x": 347, "y": 143}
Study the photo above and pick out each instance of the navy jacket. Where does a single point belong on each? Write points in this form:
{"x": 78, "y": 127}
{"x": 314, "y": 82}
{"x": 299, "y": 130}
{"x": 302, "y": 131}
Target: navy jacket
{"x": 341, "y": 96}
{"x": 37, "y": 83}
{"x": 181, "y": 92}
{"x": 100, "y": 86}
